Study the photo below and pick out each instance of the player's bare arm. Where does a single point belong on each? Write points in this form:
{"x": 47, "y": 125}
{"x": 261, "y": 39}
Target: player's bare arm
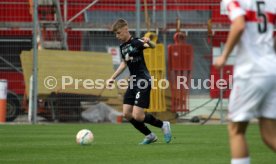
{"x": 236, "y": 30}
{"x": 119, "y": 70}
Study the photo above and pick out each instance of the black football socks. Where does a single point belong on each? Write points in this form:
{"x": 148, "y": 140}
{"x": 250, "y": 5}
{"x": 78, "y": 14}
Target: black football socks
{"x": 150, "y": 119}
{"x": 140, "y": 126}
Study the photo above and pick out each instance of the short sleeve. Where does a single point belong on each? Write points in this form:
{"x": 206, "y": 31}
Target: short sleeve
{"x": 139, "y": 44}
{"x": 234, "y": 9}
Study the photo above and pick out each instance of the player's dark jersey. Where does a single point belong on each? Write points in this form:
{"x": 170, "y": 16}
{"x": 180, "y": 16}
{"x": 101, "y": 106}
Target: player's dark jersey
{"x": 132, "y": 53}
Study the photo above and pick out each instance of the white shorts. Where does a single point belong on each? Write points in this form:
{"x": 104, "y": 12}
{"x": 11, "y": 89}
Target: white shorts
{"x": 253, "y": 98}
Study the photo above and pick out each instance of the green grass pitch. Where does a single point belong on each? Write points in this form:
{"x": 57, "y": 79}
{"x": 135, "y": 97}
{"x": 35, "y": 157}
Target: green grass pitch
{"x": 118, "y": 144}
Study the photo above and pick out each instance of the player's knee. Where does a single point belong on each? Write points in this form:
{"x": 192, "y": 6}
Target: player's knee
{"x": 235, "y": 130}
{"x": 127, "y": 115}
{"x": 232, "y": 131}
{"x": 138, "y": 117}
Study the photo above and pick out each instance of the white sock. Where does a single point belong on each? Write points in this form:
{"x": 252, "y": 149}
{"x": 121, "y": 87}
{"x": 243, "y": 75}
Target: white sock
{"x": 150, "y": 135}
{"x": 164, "y": 124}
{"x": 245, "y": 160}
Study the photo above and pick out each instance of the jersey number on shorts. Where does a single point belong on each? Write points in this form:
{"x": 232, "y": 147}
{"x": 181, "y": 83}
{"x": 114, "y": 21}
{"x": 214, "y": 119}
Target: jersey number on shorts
{"x": 138, "y": 95}
{"x": 262, "y": 25}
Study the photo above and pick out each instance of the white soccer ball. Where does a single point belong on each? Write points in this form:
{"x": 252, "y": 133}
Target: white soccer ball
{"x": 84, "y": 137}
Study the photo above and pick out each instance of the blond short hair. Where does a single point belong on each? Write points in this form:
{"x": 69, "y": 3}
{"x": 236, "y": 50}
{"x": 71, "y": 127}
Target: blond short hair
{"x": 120, "y": 23}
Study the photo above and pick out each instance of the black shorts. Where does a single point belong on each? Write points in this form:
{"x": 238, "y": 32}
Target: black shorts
{"x": 138, "y": 97}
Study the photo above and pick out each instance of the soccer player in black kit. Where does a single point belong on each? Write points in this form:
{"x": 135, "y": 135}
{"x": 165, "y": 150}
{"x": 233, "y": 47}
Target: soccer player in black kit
{"x": 137, "y": 96}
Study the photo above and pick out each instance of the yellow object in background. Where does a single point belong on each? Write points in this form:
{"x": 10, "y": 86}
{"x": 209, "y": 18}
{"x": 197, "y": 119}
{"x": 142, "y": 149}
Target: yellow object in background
{"x": 155, "y": 61}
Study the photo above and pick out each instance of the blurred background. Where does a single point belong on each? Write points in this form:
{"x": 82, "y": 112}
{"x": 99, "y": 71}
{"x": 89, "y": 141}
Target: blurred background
{"x": 74, "y": 38}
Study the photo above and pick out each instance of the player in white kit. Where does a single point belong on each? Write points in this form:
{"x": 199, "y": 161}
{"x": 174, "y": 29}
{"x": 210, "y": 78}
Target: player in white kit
{"x": 254, "y": 89}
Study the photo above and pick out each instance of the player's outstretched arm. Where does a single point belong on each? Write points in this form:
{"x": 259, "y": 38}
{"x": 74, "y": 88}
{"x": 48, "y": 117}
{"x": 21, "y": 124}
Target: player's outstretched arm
{"x": 119, "y": 70}
{"x": 236, "y": 30}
